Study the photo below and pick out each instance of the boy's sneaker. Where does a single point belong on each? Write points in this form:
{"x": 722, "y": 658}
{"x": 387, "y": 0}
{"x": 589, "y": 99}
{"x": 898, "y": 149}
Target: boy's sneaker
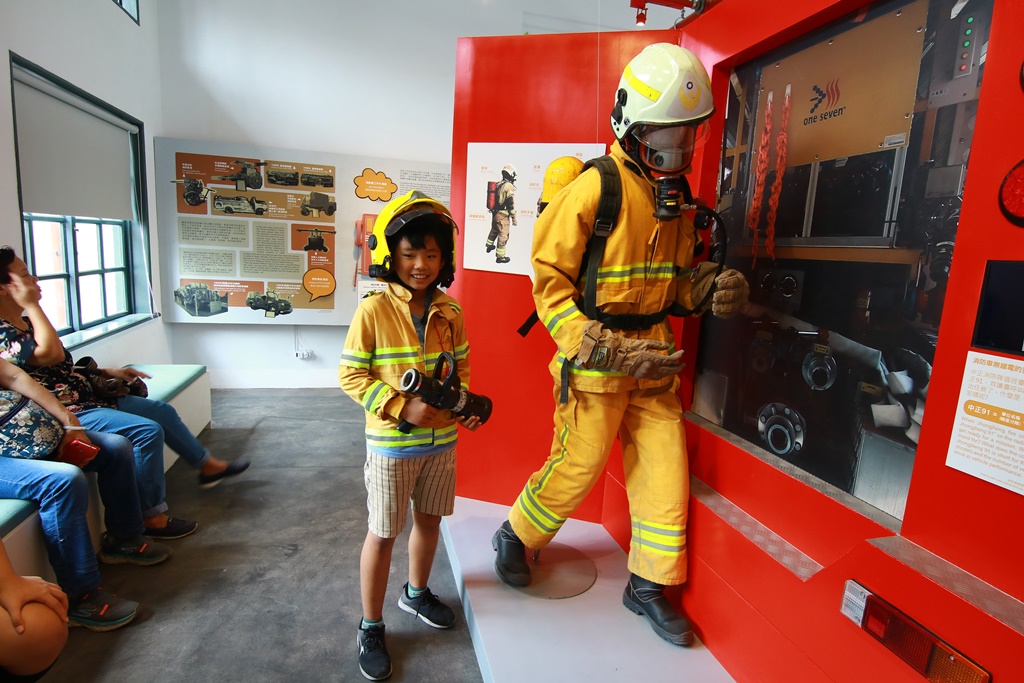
{"x": 139, "y": 550}
{"x": 374, "y": 660}
{"x": 99, "y": 610}
{"x": 427, "y": 607}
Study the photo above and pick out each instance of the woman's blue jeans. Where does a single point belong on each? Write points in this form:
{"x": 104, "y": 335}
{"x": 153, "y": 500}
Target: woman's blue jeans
{"x": 62, "y": 493}
{"x": 148, "y": 424}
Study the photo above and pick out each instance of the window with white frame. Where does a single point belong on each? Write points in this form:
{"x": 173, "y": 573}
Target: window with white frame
{"x": 131, "y": 8}
{"x": 80, "y": 176}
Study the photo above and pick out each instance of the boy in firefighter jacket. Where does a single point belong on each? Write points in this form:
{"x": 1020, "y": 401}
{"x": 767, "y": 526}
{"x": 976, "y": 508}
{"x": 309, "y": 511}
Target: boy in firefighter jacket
{"x": 616, "y": 370}
{"x": 410, "y": 444}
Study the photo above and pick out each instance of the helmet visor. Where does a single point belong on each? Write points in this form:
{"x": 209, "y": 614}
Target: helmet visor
{"x": 669, "y": 149}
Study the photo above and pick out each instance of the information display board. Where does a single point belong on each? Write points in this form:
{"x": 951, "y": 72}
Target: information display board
{"x": 257, "y": 235}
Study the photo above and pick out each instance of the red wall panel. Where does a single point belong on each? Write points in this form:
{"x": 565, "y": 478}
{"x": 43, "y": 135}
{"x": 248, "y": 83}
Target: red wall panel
{"x": 761, "y": 622}
{"x": 960, "y": 517}
{"x": 523, "y": 89}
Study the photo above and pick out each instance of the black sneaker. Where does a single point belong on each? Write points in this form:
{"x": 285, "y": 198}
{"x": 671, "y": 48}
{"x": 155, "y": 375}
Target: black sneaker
{"x": 427, "y": 607}
{"x": 176, "y": 528}
{"x": 99, "y": 610}
{"x": 374, "y": 660}
{"x": 139, "y": 550}
{"x": 207, "y": 481}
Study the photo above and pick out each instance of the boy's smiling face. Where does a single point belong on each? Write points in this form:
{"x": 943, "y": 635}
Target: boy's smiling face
{"x": 418, "y": 268}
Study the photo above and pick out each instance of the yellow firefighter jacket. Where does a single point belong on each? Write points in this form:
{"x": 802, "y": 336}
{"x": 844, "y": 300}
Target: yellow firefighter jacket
{"x": 645, "y": 268}
{"x": 381, "y": 345}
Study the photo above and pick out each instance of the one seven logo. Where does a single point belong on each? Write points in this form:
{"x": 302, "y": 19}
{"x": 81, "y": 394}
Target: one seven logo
{"x": 831, "y": 92}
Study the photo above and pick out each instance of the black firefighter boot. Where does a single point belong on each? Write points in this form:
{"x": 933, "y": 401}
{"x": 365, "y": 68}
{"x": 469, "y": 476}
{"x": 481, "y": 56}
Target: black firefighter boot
{"x": 648, "y": 599}
{"x": 510, "y": 564}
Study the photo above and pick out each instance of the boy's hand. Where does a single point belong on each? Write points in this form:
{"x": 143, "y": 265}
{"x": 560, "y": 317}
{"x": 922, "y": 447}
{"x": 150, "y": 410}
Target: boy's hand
{"x": 471, "y": 423}
{"x": 420, "y": 413}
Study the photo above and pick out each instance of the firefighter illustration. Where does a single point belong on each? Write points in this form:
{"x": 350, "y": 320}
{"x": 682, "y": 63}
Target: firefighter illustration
{"x": 615, "y": 372}
{"x": 501, "y": 204}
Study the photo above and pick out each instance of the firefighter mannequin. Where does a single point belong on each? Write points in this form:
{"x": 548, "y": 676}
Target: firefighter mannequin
{"x": 502, "y": 214}
{"x": 622, "y": 374}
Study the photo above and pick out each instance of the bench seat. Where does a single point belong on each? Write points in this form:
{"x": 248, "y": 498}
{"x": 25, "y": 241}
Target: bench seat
{"x": 186, "y": 387}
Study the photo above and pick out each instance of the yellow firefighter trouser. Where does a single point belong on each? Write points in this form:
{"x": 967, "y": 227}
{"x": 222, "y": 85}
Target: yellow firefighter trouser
{"x": 649, "y": 427}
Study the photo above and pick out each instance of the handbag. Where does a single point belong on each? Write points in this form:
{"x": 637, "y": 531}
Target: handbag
{"x": 26, "y": 429}
{"x": 107, "y": 387}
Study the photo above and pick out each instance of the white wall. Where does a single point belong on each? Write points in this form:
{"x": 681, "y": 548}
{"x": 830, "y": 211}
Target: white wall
{"x": 94, "y": 45}
{"x": 323, "y": 75}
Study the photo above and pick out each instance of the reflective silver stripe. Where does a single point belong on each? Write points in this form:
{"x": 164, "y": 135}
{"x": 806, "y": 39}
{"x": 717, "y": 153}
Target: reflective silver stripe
{"x": 538, "y": 516}
{"x": 555, "y": 321}
{"x": 648, "y": 537}
{"x": 554, "y": 463}
{"x": 393, "y": 437}
{"x": 419, "y": 436}
{"x": 373, "y": 396}
{"x": 395, "y": 357}
{"x": 349, "y": 359}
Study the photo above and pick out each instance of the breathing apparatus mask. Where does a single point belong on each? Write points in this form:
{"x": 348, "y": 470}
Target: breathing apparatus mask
{"x": 664, "y": 153}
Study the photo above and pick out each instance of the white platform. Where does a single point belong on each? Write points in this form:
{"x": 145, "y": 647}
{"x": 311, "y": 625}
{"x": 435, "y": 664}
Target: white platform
{"x": 590, "y": 637}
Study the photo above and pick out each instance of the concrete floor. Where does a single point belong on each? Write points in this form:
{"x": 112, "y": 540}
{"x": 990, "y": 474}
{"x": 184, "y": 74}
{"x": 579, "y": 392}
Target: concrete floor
{"x": 268, "y": 588}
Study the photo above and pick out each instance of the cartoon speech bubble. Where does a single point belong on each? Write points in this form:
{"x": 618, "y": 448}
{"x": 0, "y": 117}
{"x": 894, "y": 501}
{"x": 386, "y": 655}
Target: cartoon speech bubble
{"x": 374, "y": 185}
{"x": 319, "y": 282}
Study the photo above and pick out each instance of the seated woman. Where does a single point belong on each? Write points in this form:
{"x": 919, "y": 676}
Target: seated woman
{"x": 57, "y": 484}
{"x": 33, "y": 623}
{"x": 28, "y": 339}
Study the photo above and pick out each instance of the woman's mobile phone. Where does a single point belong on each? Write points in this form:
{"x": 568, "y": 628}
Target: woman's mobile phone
{"x": 77, "y": 452}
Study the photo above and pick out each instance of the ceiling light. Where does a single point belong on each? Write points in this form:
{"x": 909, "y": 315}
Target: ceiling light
{"x": 641, "y": 16}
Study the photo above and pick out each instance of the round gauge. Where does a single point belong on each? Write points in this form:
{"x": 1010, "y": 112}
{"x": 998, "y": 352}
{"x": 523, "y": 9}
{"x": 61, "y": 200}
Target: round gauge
{"x": 1011, "y": 195}
{"x": 788, "y": 286}
{"x": 769, "y": 282}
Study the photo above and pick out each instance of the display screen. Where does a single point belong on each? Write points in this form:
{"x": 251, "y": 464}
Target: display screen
{"x": 1000, "y": 325}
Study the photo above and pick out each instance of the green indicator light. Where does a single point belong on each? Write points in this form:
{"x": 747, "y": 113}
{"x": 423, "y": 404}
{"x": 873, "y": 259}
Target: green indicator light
{"x": 967, "y": 43}
{"x": 970, "y": 20}
{"x": 967, "y": 32}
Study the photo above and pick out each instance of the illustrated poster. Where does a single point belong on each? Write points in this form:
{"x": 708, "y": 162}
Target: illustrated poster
{"x": 527, "y": 162}
{"x": 269, "y": 236}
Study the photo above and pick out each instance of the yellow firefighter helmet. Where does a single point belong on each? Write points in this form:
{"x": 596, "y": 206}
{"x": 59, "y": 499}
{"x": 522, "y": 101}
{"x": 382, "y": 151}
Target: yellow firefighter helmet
{"x": 400, "y": 212}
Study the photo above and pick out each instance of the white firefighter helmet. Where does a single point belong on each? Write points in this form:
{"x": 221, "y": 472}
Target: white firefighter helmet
{"x": 508, "y": 172}
{"x": 396, "y": 214}
{"x": 662, "y": 106}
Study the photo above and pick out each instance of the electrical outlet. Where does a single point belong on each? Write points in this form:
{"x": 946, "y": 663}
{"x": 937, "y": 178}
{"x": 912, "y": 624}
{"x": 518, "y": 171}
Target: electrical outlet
{"x": 304, "y": 354}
